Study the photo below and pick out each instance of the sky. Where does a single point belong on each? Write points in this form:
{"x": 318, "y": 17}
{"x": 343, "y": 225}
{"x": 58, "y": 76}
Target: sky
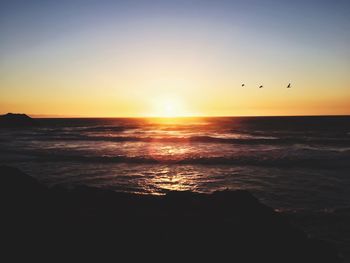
{"x": 174, "y": 58}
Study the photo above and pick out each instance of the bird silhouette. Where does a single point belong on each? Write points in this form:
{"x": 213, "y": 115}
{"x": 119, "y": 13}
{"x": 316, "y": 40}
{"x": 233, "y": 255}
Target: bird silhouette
{"x": 243, "y": 85}
{"x": 260, "y": 86}
{"x": 288, "y": 87}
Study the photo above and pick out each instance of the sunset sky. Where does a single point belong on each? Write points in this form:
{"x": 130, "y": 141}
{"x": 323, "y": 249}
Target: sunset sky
{"x": 156, "y": 58}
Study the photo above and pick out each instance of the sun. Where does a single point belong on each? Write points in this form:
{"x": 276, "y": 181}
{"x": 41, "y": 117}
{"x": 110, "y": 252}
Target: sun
{"x": 168, "y": 107}
{"x": 171, "y": 109}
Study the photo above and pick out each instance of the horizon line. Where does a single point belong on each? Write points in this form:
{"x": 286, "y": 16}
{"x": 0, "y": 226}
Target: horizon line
{"x": 48, "y": 116}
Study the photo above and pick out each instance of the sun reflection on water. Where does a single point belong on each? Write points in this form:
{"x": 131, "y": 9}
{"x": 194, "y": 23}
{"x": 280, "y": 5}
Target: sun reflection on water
{"x": 169, "y": 180}
{"x": 168, "y": 153}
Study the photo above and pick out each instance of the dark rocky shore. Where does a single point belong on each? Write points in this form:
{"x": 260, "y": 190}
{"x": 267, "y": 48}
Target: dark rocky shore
{"x": 224, "y": 226}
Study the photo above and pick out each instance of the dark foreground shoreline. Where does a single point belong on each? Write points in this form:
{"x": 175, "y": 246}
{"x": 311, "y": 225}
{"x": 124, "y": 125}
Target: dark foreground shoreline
{"x": 222, "y": 226}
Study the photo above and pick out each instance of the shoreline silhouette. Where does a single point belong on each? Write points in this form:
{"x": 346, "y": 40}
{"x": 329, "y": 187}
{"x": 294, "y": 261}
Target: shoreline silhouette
{"x": 223, "y": 225}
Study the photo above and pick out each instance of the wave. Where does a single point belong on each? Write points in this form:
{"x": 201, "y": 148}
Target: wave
{"x": 107, "y": 128}
{"x": 340, "y": 161}
{"x": 198, "y": 139}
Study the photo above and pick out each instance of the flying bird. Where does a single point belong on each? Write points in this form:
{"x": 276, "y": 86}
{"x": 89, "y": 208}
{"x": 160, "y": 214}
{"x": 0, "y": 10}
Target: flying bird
{"x": 260, "y": 86}
{"x": 243, "y": 85}
{"x": 288, "y": 87}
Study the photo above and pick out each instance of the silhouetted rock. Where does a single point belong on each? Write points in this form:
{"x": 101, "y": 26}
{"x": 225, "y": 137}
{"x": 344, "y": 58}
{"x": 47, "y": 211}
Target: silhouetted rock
{"x": 11, "y": 120}
{"x": 223, "y": 226}
{"x": 15, "y": 182}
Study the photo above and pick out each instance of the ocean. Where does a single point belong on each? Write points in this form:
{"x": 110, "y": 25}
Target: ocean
{"x": 300, "y": 166}
{"x": 289, "y": 163}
